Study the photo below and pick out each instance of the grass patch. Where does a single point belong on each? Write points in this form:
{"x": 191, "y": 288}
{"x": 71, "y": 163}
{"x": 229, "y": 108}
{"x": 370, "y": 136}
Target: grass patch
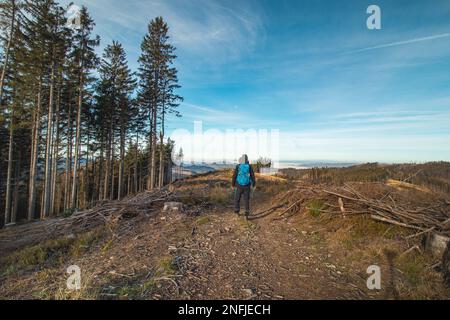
{"x": 165, "y": 266}
{"x": 352, "y": 232}
{"x": 418, "y": 280}
{"x": 315, "y": 207}
{"x": 413, "y": 267}
{"x": 108, "y": 245}
{"x": 219, "y": 196}
{"x": 202, "y": 220}
{"x": 368, "y": 228}
{"x": 247, "y": 225}
{"x": 51, "y": 285}
{"x": 131, "y": 292}
{"x": 68, "y": 213}
{"x": 52, "y": 252}
{"x": 83, "y": 242}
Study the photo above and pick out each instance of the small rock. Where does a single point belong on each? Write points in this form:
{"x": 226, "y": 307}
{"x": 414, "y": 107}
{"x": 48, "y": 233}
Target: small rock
{"x": 248, "y": 292}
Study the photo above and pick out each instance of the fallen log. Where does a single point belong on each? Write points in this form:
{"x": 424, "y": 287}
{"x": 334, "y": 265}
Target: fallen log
{"x": 390, "y": 221}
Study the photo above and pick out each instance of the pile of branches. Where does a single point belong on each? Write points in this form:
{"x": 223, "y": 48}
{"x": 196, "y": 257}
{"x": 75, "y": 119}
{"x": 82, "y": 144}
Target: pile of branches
{"x": 290, "y": 203}
{"x": 107, "y": 213}
{"x": 433, "y": 216}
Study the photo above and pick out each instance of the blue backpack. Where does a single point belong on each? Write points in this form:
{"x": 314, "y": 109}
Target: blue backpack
{"x": 243, "y": 177}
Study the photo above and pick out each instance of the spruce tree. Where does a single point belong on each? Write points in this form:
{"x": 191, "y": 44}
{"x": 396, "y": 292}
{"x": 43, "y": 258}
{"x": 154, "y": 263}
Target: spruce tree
{"x": 84, "y": 55}
{"x": 157, "y": 81}
{"x": 114, "y": 108}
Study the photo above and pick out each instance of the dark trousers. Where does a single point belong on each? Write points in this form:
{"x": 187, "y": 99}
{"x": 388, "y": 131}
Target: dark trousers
{"x": 242, "y": 192}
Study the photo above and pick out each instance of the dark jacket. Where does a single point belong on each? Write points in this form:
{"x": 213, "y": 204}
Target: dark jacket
{"x": 252, "y": 176}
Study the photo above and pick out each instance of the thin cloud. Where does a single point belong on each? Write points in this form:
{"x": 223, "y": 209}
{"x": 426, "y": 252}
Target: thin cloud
{"x": 401, "y": 43}
{"x": 202, "y": 30}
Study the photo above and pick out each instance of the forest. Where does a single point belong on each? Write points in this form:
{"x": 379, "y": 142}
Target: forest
{"x": 78, "y": 127}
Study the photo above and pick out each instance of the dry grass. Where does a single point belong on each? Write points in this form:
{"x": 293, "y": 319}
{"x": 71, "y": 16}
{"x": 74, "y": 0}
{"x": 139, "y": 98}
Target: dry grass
{"x": 220, "y": 196}
{"x": 363, "y": 242}
{"x": 202, "y": 220}
{"x": 50, "y": 253}
{"x": 165, "y": 266}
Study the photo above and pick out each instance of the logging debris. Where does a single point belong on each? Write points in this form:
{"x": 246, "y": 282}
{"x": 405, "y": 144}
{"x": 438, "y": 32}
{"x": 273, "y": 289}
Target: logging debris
{"x": 380, "y": 202}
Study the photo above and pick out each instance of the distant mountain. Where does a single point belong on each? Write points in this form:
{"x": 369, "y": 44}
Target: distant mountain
{"x": 315, "y": 164}
{"x": 206, "y": 167}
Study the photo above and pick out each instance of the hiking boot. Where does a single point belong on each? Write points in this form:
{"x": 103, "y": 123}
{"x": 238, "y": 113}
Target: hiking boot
{"x": 247, "y": 215}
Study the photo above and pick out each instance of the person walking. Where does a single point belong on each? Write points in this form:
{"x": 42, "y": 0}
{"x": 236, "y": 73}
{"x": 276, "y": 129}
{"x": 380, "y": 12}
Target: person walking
{"x": 243, "y": 181}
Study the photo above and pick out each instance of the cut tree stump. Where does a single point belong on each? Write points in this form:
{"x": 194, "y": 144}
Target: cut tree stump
{"x": 173, "y": 207}
{"x": 436, "y": 244}
{"x": 446, "y": 265}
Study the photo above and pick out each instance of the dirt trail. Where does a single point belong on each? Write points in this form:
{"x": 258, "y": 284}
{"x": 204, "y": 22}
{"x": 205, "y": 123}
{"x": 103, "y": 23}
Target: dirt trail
{"x": 262, "y": 259}
{"x": 214, "y": 254}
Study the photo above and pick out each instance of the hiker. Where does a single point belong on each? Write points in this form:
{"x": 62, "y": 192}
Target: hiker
{"x": 243, "y": 180}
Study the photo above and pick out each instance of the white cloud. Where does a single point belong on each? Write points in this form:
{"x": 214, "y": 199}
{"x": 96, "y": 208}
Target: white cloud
{"x": 404, "y": 42}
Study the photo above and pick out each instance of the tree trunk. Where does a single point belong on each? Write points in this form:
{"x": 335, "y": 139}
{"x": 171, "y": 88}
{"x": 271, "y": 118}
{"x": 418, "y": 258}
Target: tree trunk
{"x": 161, "y": 149}
{"x": 87, "y": 175}
{"x": 153, "y": 153}
{"x": 100, "y": 173}
{"x": 93, "y": 193}
{"x": 136, "y": 160}
{"x": 122, "y": 162}
{"x": 161, "y": 161}
{"x": 48, "y": 151}
{"x": 129, "y": 188}
{"x": 34, "y": 156}
{"x": 53, "y": 212}
{"x": 77, "y": 144}
{"x": 107, "y": 171}
{"x": 109, "y": 162}
{"x": 16, "y": 188}
{"x": 7, "y": 50}
{"x": 113, "y": 154}
{"x": 68, "y": 166}
{"x": 10, "y": 170}
{"x": 150, "y": 149}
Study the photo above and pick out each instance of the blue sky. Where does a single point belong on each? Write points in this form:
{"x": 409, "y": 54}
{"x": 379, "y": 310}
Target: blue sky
{"x": 312, "y": 69}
